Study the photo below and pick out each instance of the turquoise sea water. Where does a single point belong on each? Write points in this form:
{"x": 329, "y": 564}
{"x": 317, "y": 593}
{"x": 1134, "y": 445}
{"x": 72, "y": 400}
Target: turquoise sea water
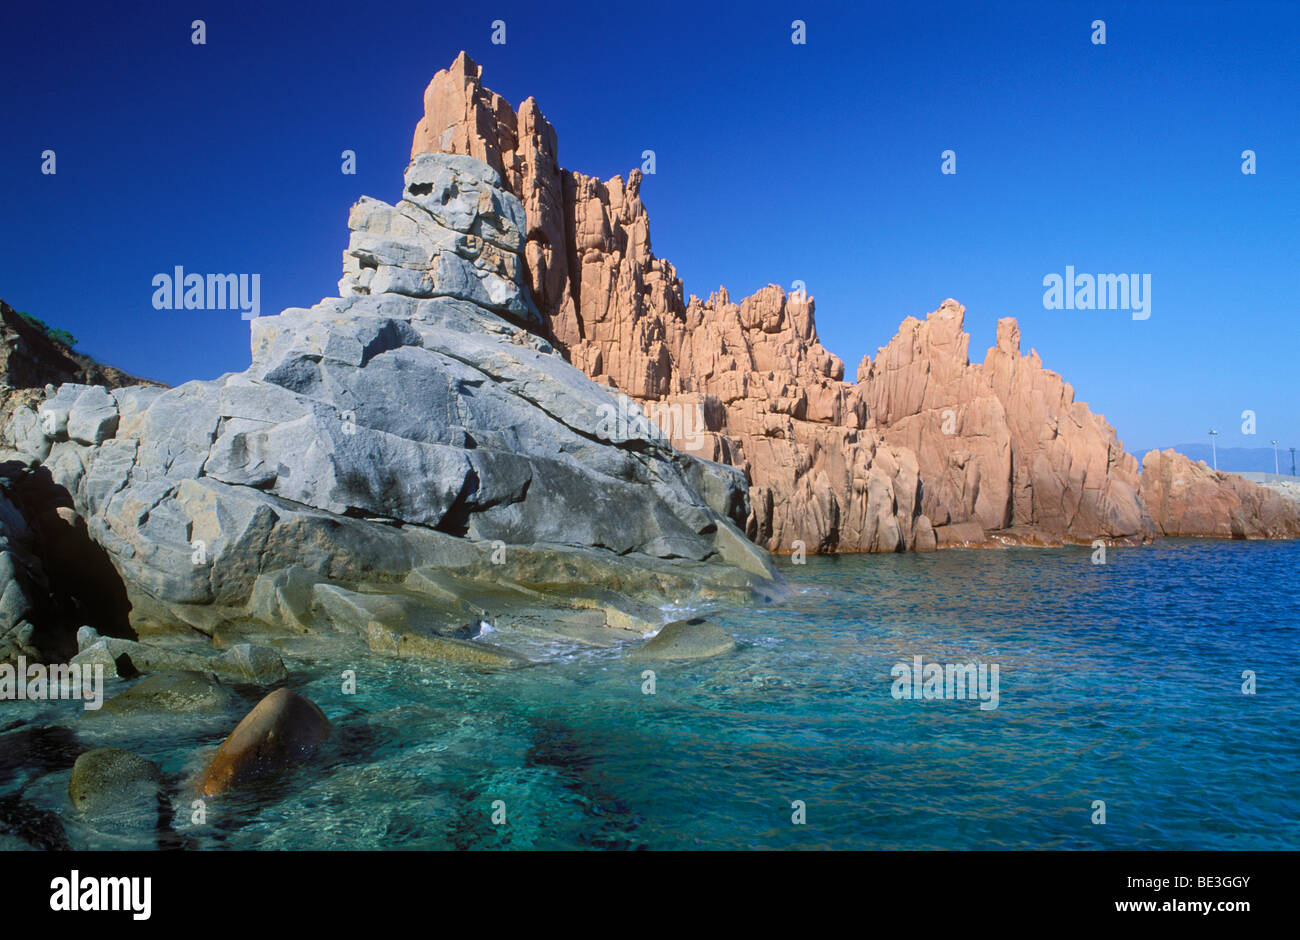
{"x": 1120, "y": 683}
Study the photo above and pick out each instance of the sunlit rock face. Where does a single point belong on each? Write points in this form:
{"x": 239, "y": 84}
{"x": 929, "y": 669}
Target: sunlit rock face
{"x": 387, "y": 429}
{"x": 924, "y": 449}
{"x": 1004, "y": 449}
{"x": 1187, "y": 498}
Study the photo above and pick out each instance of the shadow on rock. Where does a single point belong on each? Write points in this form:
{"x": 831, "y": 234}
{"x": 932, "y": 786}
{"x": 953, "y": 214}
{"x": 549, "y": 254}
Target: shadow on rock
{"x": 81, "y": 585}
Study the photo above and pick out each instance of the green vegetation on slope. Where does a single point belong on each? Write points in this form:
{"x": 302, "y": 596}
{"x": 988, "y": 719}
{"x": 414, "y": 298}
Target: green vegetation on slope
{"x": 59, "y": 336}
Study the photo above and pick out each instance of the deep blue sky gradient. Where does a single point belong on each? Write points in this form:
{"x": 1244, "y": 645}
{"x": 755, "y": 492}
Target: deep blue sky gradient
{"x": 776, "y": 162}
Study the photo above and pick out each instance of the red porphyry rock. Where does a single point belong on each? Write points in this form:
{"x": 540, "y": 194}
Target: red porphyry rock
{"x": 1187, "y": 498}
{"x": 1003, "y": 444}
{"x": 926, "y": 449}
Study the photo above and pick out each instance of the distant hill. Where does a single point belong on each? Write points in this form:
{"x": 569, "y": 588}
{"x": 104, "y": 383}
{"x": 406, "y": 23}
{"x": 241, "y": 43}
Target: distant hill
{"x": 1237, "y": 459}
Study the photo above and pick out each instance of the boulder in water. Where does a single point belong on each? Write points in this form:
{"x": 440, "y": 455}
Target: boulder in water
{"x": 283, "y": 729}
{"x": 686, "y": 639}
{"x": 109, "y": 779}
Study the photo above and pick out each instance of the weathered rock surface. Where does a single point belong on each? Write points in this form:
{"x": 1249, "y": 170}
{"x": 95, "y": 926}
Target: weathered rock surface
{"x": 40, "y": 542}
{"x": 282, "y": 730}
{"x": 256, "y": 664}
{"x": 926, "y": 449}
{"x": 109, "y": 779}
{"x": 242, "y": 663}
{"x": 20, "y": 578}
{"x": 406, "y": 644}
{"x": 1187, "y": 498}
{"x": 114, "y": 665}
{"x": 54, "y": 580}
{"x": 170, "y": 693}
{"x": 1003, "y": 448}
{"x": 685, "y": 639}
{"x": 410, "y": 422}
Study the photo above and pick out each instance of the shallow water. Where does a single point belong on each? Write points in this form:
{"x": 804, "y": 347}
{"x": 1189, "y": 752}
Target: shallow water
{"x": 1120, "y": 683}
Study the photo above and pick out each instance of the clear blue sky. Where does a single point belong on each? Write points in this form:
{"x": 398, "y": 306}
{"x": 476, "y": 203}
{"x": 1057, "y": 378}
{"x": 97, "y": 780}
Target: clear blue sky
{"x": 776, "y": 162}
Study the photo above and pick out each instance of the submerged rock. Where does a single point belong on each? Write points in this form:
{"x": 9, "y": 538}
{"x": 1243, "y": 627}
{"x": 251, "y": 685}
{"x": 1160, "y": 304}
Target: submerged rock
{"x": 686, "y": 639}
{"x": 37, "y": 751}
{"x": 405, "y": 644}
{"x": 171, "y": 692}
{"x": 111, "y": 780}
{"x": 282, "y": 730}
{"x": 24, "y": 826}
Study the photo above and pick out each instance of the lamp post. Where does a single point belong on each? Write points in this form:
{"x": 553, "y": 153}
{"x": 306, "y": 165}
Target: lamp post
{"x": 1275, "y": 469}
{"x": 1214, "y": 453}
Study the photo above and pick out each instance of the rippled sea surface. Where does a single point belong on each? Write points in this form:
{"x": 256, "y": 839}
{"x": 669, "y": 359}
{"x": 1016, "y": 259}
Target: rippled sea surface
{"x": 1119, "y": 682}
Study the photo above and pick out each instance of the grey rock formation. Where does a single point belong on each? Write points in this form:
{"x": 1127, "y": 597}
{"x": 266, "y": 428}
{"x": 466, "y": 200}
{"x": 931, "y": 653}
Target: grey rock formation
{"x": 685, "y": 639}
{"x": 256, "y": 664}
{"x": 411, "y": 422}
{"x": 114, "y": 663}
{"x": 456, "y": 233}
{"x": 245, "y": 663}
{"x": 19, "y": 568}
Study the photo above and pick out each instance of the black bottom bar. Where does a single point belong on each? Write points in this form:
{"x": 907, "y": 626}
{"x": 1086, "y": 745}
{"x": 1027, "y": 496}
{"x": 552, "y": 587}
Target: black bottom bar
{"x": 331, "y": 890}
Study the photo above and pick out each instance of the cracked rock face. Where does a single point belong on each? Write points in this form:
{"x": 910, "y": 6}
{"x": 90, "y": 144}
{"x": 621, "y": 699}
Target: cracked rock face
{"x": 1187, "y": 498}
{"x": 375, "y": 428}
{"x": 18, "y": 566}
{"x": 455, "y": 234}
{"x": 771, "y": 400}
{"x": 1002, "y": 446}
{"x": 926, "y": 449}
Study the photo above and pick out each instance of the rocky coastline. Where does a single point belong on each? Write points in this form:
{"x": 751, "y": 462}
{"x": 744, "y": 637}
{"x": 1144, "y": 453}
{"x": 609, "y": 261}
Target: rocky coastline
{"x": 423, "y": 468}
